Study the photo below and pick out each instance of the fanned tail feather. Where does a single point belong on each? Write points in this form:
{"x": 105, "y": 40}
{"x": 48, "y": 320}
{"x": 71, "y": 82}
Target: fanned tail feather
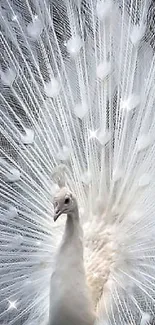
{"x": 77, "y": 103}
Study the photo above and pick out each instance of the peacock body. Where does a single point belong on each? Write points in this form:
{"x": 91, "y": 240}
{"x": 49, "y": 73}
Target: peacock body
{"x": 77, "y": 103}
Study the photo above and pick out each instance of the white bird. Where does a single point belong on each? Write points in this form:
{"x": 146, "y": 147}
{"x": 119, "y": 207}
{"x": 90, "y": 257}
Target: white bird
{"x": 70, "y": 301}
{"x": 77, "y": 110}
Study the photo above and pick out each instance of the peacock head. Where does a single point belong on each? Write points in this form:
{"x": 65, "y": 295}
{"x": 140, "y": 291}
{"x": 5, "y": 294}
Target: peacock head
{"x": 64, "y": 203}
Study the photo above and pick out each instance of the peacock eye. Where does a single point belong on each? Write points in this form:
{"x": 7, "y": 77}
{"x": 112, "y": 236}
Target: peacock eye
{"x": 67, "y": 200}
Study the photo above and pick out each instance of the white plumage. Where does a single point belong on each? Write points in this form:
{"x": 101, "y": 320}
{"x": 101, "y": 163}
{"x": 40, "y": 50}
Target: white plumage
{"x": 70, "y": 299}
{"x": 77, "y": 109}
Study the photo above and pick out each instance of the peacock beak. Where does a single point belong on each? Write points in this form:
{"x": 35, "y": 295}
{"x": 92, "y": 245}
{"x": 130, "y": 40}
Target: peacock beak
{"x": 57, "y": 213}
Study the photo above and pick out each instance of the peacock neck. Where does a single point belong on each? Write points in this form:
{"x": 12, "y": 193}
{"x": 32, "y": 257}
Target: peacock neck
{"x": 73, "y": 226}
{"x": 73, "y": 235}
